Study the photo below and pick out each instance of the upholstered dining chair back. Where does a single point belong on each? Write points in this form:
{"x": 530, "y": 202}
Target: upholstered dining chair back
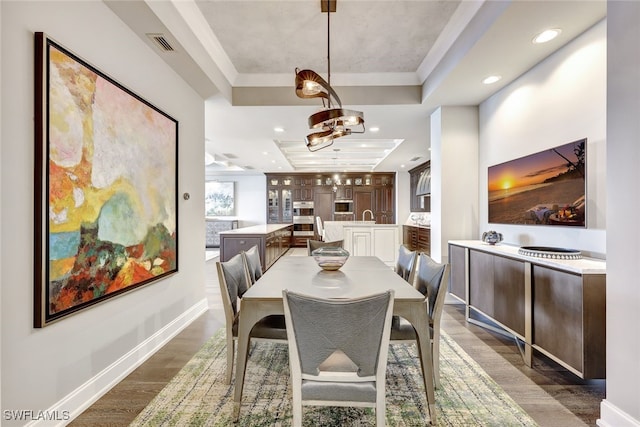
{"x": 338, "y": 351}
{"x": 319, "y": 228}
{"x": 251, "y": 258}
{"x": 431, "y": 280}
{"x": 406, "y": 263}
{"x": 234, "y": 281}
{"x": 312, "y": 245}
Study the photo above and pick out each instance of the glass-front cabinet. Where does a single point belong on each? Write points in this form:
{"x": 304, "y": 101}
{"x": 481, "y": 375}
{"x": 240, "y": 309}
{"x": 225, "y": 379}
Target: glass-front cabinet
{"x": 279, "y": 203}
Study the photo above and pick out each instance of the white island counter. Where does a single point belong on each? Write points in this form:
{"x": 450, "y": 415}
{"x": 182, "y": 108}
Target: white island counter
{"x": 366, "y": 238}
{"x": 334, "y": 230}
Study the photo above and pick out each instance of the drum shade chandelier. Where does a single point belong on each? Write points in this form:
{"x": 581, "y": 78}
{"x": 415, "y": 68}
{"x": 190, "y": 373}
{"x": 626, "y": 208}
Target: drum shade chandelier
{"x": 333, "y": 121}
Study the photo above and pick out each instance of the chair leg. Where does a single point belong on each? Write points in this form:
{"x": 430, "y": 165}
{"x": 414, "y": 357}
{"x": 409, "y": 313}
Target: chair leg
{"x": 381, "y": 413}
{"x": 435, "y": 352}
{"x": 297, "y": 414}
{"x": 230, "y": 348}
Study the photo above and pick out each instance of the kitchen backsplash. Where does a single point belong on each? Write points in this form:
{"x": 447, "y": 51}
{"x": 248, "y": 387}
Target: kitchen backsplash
{"x": 419, "y": 218}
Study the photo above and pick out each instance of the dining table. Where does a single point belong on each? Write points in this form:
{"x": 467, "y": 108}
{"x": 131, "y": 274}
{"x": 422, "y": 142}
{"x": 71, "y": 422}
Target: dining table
{"x": 358, "y": 277}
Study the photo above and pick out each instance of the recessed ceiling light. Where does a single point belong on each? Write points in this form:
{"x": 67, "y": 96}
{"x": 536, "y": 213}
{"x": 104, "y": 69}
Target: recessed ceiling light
{"x": 265, "y": 152}
{"x": 547, "y": 35}
{"x": 402, "y": 166}
{"x": 278, "y": 129}
{"x": 374, "y": 129}
{"x": 491, "y": 79}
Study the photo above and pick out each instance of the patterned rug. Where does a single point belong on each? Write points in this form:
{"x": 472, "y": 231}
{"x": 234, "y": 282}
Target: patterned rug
{"x": 198, "y": 396}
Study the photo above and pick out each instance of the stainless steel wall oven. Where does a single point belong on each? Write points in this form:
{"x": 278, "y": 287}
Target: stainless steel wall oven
{"x": 303, "y": 219}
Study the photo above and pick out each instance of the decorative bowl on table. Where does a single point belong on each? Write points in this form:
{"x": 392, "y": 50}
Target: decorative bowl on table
{"x": 329, "y": 258}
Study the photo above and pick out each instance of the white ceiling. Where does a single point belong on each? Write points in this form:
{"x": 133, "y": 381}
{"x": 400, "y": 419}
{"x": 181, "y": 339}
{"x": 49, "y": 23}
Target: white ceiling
{"x": 394, "y": 60}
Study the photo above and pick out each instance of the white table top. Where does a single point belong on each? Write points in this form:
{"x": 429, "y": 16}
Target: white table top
{"x": 360, "y": 276}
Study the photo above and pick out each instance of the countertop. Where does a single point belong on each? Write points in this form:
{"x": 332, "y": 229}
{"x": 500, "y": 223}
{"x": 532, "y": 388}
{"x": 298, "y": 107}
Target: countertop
{"x": 262, "y": 229}
{"x": 579, "y": 266}
{"x": 334, "y": 230}
{"x": 428, "y": 227}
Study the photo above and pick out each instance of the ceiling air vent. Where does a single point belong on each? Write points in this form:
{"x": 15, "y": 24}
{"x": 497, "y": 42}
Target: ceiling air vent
{"x": 415, "y": 158}
{"x": 161, "y": 42}
{"x": 230, "y": 155}
{"x": 248, "y": 167}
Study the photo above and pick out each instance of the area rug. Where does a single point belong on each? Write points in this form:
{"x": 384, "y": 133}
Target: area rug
{"x": 198, "y": 396}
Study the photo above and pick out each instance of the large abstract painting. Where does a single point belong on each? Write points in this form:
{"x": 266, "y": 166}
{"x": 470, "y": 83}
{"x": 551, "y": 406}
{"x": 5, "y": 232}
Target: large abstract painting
{"x": 105, "y": 186}
{"x": 544, "y": 188}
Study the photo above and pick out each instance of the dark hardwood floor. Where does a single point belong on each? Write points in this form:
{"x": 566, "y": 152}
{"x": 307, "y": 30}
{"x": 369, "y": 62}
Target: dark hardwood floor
{"x": 549, "y": 393}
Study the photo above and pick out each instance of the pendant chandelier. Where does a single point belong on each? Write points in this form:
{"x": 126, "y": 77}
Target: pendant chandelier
{"x": 333, "y": 121}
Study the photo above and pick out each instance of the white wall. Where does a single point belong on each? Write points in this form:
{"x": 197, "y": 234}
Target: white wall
{"x": 42, "y": 368}
{"x": 403, "y": 195}
{"x": 560, "y": 100}
{"x": 454, "y": 172}
{"x": 250, "y": 198}
{"x": 1, "y": 208}
{"x": 622, "y": 405}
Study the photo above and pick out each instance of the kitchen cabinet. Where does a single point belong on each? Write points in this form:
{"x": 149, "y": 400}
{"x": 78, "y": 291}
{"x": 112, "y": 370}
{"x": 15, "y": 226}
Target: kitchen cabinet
{"x": 279, "y": 205}
{"x": 383, "y": 207}
{"x": 272, "y": 242}
{"x": 420, "y": 188}
{"x": 372, "y": 191}
{"x": 362, "y": 201}
{"x": 302, "y": 193}
{"x": 380, "y": 240}
{"x": 417, "y": 238}
{"x": 344, "y": 192}
{"x": 556, "y": 307}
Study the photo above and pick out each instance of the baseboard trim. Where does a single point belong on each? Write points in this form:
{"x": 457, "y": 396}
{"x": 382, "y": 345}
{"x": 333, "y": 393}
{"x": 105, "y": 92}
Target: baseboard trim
{"x": 80, "y": 399}
{"x": 612, "y": 416}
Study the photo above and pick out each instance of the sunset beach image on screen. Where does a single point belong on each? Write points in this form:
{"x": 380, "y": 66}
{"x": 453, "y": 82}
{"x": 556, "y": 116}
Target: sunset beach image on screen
{"x": 545, "y": 188}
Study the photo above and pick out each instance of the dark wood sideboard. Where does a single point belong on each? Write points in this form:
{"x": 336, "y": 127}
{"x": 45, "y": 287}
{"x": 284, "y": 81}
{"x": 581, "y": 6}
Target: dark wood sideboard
{"x": 556, "y": 307}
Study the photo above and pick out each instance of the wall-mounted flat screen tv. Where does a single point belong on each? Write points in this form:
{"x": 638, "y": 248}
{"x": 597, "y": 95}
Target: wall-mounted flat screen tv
{"x": 545, "y": 188}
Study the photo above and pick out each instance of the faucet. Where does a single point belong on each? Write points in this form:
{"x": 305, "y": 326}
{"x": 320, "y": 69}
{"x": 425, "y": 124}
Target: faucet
{"x": 365, "y": 211}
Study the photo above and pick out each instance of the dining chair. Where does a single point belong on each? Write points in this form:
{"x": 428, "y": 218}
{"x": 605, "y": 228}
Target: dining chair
{"x": 406, "y": 263}
{"x": 251, "y": 258}
{"x": 234, "y": 281}
{"x": 431, "y": 281}
{"x": 312, "y": 245}
{"x": 319, "y": 228}
{"x": 338, "y": 351}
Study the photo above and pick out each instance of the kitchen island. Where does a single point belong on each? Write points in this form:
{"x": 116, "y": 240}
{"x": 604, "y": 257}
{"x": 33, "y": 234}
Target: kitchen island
{"x": 334, "y": 230}
{"x": 364, "y": 238}
{"x": 273, "y": 240}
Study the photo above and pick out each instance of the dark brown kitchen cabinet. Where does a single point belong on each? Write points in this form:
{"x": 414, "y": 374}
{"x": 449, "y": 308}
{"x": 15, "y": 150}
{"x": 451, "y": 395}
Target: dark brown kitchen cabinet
{"x": 302, "y": 193}
{"x": 417, "y": 238}
{"x": 420, "y": 188}
{"x": 384, "y": 205}
{"x": 369, "y": 191}
{"x": 344, "y": 192}
{"x": 279, "y": 205}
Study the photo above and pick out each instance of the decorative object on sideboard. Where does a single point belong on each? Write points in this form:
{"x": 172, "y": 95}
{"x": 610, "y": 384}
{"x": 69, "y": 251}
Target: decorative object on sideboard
{"x": 491, "y": 237}
{"x": 550, "y": 252}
